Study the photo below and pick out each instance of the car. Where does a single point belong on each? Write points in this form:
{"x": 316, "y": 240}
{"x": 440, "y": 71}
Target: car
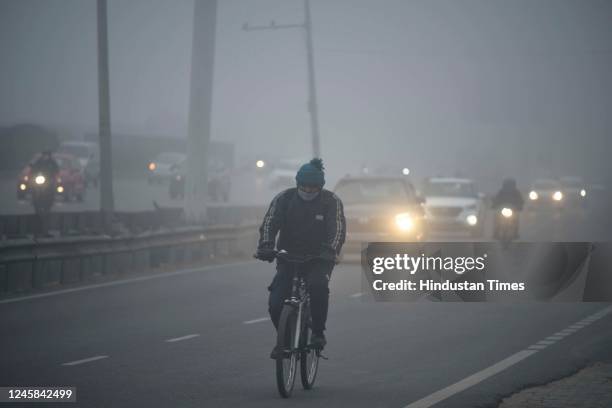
{"x": 164, "y": 166}
{"x": 283, "y": 173}
{"x": 453, "y": 204}
{"x": 219, "y": 182}
{"x": 574, "y": 190}
{"x": 70, "y": 181}
{"x": 88, "y": 155}
{"x": 380, "y": 208}
{"x": 546, "y": 193}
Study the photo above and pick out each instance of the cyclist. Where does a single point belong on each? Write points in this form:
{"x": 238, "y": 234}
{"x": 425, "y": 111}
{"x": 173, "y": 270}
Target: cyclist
{"x": 309, "y": 221}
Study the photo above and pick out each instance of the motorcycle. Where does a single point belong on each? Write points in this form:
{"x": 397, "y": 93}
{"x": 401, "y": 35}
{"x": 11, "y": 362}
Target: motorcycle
{"x": 43, "y": 193}
{"x": 506, "y": 226}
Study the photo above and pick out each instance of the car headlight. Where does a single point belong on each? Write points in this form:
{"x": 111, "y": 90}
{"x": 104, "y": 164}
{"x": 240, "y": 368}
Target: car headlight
{"x": 404, "y": 222}
{"x": 40, "y": 179}
{"x": 472, "y": 219}
{"x": 557, "y": 196}
{"x": 583, "y": 193}
{"x": 152, "y": 166}
{"x": 507, "y": 212}
{"x": 533, "y": 195}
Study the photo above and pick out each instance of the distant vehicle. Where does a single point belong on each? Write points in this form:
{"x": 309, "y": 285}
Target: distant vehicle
{"x": 283, "y": 174}
{"x": 381, "y": 208}
{"x": 69, "y": 183}
{"x": 219, "y": 182}
{"x": 163, "y": 168}
{"x": 506, "y": 226}
{"x": 453, "y": 204}
{"x": 88, "y": 155}
{"x": 546, "y": 193}
{"x": 574, "y": 190}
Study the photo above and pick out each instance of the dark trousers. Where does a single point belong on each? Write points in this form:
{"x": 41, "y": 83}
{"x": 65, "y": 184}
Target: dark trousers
{"x": 317, "y": 275}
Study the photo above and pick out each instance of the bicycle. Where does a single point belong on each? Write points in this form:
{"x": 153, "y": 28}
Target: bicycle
{"x": 294, "y": 333}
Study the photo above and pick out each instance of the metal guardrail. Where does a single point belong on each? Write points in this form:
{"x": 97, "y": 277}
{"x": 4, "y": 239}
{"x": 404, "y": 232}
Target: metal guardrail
{"x": 39, "y": 263}
{"x": 15, "y": 226}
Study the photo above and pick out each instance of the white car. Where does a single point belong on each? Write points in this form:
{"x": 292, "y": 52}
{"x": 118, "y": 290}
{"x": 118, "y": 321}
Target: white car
{"x": 453, "y": 204}
{"x": 283, "y": 174}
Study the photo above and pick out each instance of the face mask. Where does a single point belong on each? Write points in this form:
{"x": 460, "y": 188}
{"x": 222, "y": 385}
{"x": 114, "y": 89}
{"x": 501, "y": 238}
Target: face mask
{"x": 307, "y": 196}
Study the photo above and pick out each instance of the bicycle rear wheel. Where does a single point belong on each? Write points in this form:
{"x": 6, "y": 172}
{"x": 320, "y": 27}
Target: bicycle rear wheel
{"x": 309, "y": 358}
{"x": 286, "y": 367}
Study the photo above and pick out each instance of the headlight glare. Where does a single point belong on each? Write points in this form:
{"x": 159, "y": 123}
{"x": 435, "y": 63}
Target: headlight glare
{"x": 40, "y": 179}
{"x": 472, "y": 219}
{"x": 533, "y": 195}
{"x": 404, "y": 222}
{"x": 507, "y": 212}
{"x": 557, "y": 196}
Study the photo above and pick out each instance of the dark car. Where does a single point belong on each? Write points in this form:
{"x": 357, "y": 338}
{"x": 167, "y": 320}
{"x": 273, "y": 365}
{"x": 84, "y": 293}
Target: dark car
{"x": 381, "y": 209}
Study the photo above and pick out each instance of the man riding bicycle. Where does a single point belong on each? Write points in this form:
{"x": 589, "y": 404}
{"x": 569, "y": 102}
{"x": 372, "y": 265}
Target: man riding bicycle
{"x": 309, "y": 221}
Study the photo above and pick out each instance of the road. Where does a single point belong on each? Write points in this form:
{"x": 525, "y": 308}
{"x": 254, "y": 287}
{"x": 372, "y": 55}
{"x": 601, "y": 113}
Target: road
{"x": 201, "y": 339}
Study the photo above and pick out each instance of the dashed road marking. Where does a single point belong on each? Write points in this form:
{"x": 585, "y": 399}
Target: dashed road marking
{"x": 259, "y": 320}
{"x": 187, "y": 337}
{"x": 85, "y": 360}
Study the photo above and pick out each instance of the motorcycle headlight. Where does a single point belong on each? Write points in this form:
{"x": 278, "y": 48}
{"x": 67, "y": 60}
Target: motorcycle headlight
{"x": 60, "y": 189}
{"x": 533, "y": 195}
{"x": 152, "y": 166}
{"x": 472, "y": 219}
{"x": 583, "y": 193}
{"x": 40, "y": 179}
{"x": 557, "y": 196}
{"x": 404, "y": 222}
{"x": 22, "y": 187}
{"x": 507, "y": 212}
{"x": 260, "y": 164}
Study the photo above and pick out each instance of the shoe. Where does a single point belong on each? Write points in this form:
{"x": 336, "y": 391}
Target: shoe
{"x": 318, "y": 341}
{"x": 276, "y": 353}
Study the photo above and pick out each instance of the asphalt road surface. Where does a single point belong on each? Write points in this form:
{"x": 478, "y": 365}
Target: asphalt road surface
{"x": 202, "y": 339}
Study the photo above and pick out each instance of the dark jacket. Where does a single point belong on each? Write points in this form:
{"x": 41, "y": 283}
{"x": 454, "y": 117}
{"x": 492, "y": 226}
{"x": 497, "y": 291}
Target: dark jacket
{"x": 304, "y": 227}
{"x": 46, "y": 165}
{"x": 508, "y": 197}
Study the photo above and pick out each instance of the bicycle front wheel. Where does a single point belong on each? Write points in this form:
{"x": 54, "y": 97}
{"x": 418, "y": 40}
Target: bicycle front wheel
{"x": 286, "y": 367}
{"x": 309, "y": 358}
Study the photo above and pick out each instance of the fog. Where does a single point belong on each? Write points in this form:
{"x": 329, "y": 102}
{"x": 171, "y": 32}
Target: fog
{"x": 482, "y": 88}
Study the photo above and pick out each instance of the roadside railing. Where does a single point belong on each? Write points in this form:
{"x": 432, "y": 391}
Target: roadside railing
{"x": 27, "y": 264}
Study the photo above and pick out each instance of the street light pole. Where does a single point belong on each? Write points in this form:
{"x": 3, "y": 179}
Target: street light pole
{"x": 312, "y": 91}
{"x": 106, "y": 172}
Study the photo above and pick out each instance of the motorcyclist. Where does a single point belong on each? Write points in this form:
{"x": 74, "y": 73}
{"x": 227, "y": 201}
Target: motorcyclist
{"x": 309, "y": 221}
{"x": 46, "y": 165}
{"x": 510, "y": 197}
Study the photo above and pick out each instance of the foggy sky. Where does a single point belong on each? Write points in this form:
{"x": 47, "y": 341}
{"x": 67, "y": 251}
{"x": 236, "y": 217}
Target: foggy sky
{"x": 508, "y": 83}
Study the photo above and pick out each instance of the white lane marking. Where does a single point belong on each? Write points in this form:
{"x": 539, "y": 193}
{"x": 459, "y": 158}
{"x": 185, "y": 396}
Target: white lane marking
{"x": 490, "y": 371}
{"x": 356, "y": 295}
{"x": 124, "y": 281}
{"x": 261, "y": 319}
{"x": 85, "y": 360}
{"x": 536, "y": 347}
{"x": 189, "y": 336}
{"x": 471, "y": 380}
{"x": 554, "y": 338}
